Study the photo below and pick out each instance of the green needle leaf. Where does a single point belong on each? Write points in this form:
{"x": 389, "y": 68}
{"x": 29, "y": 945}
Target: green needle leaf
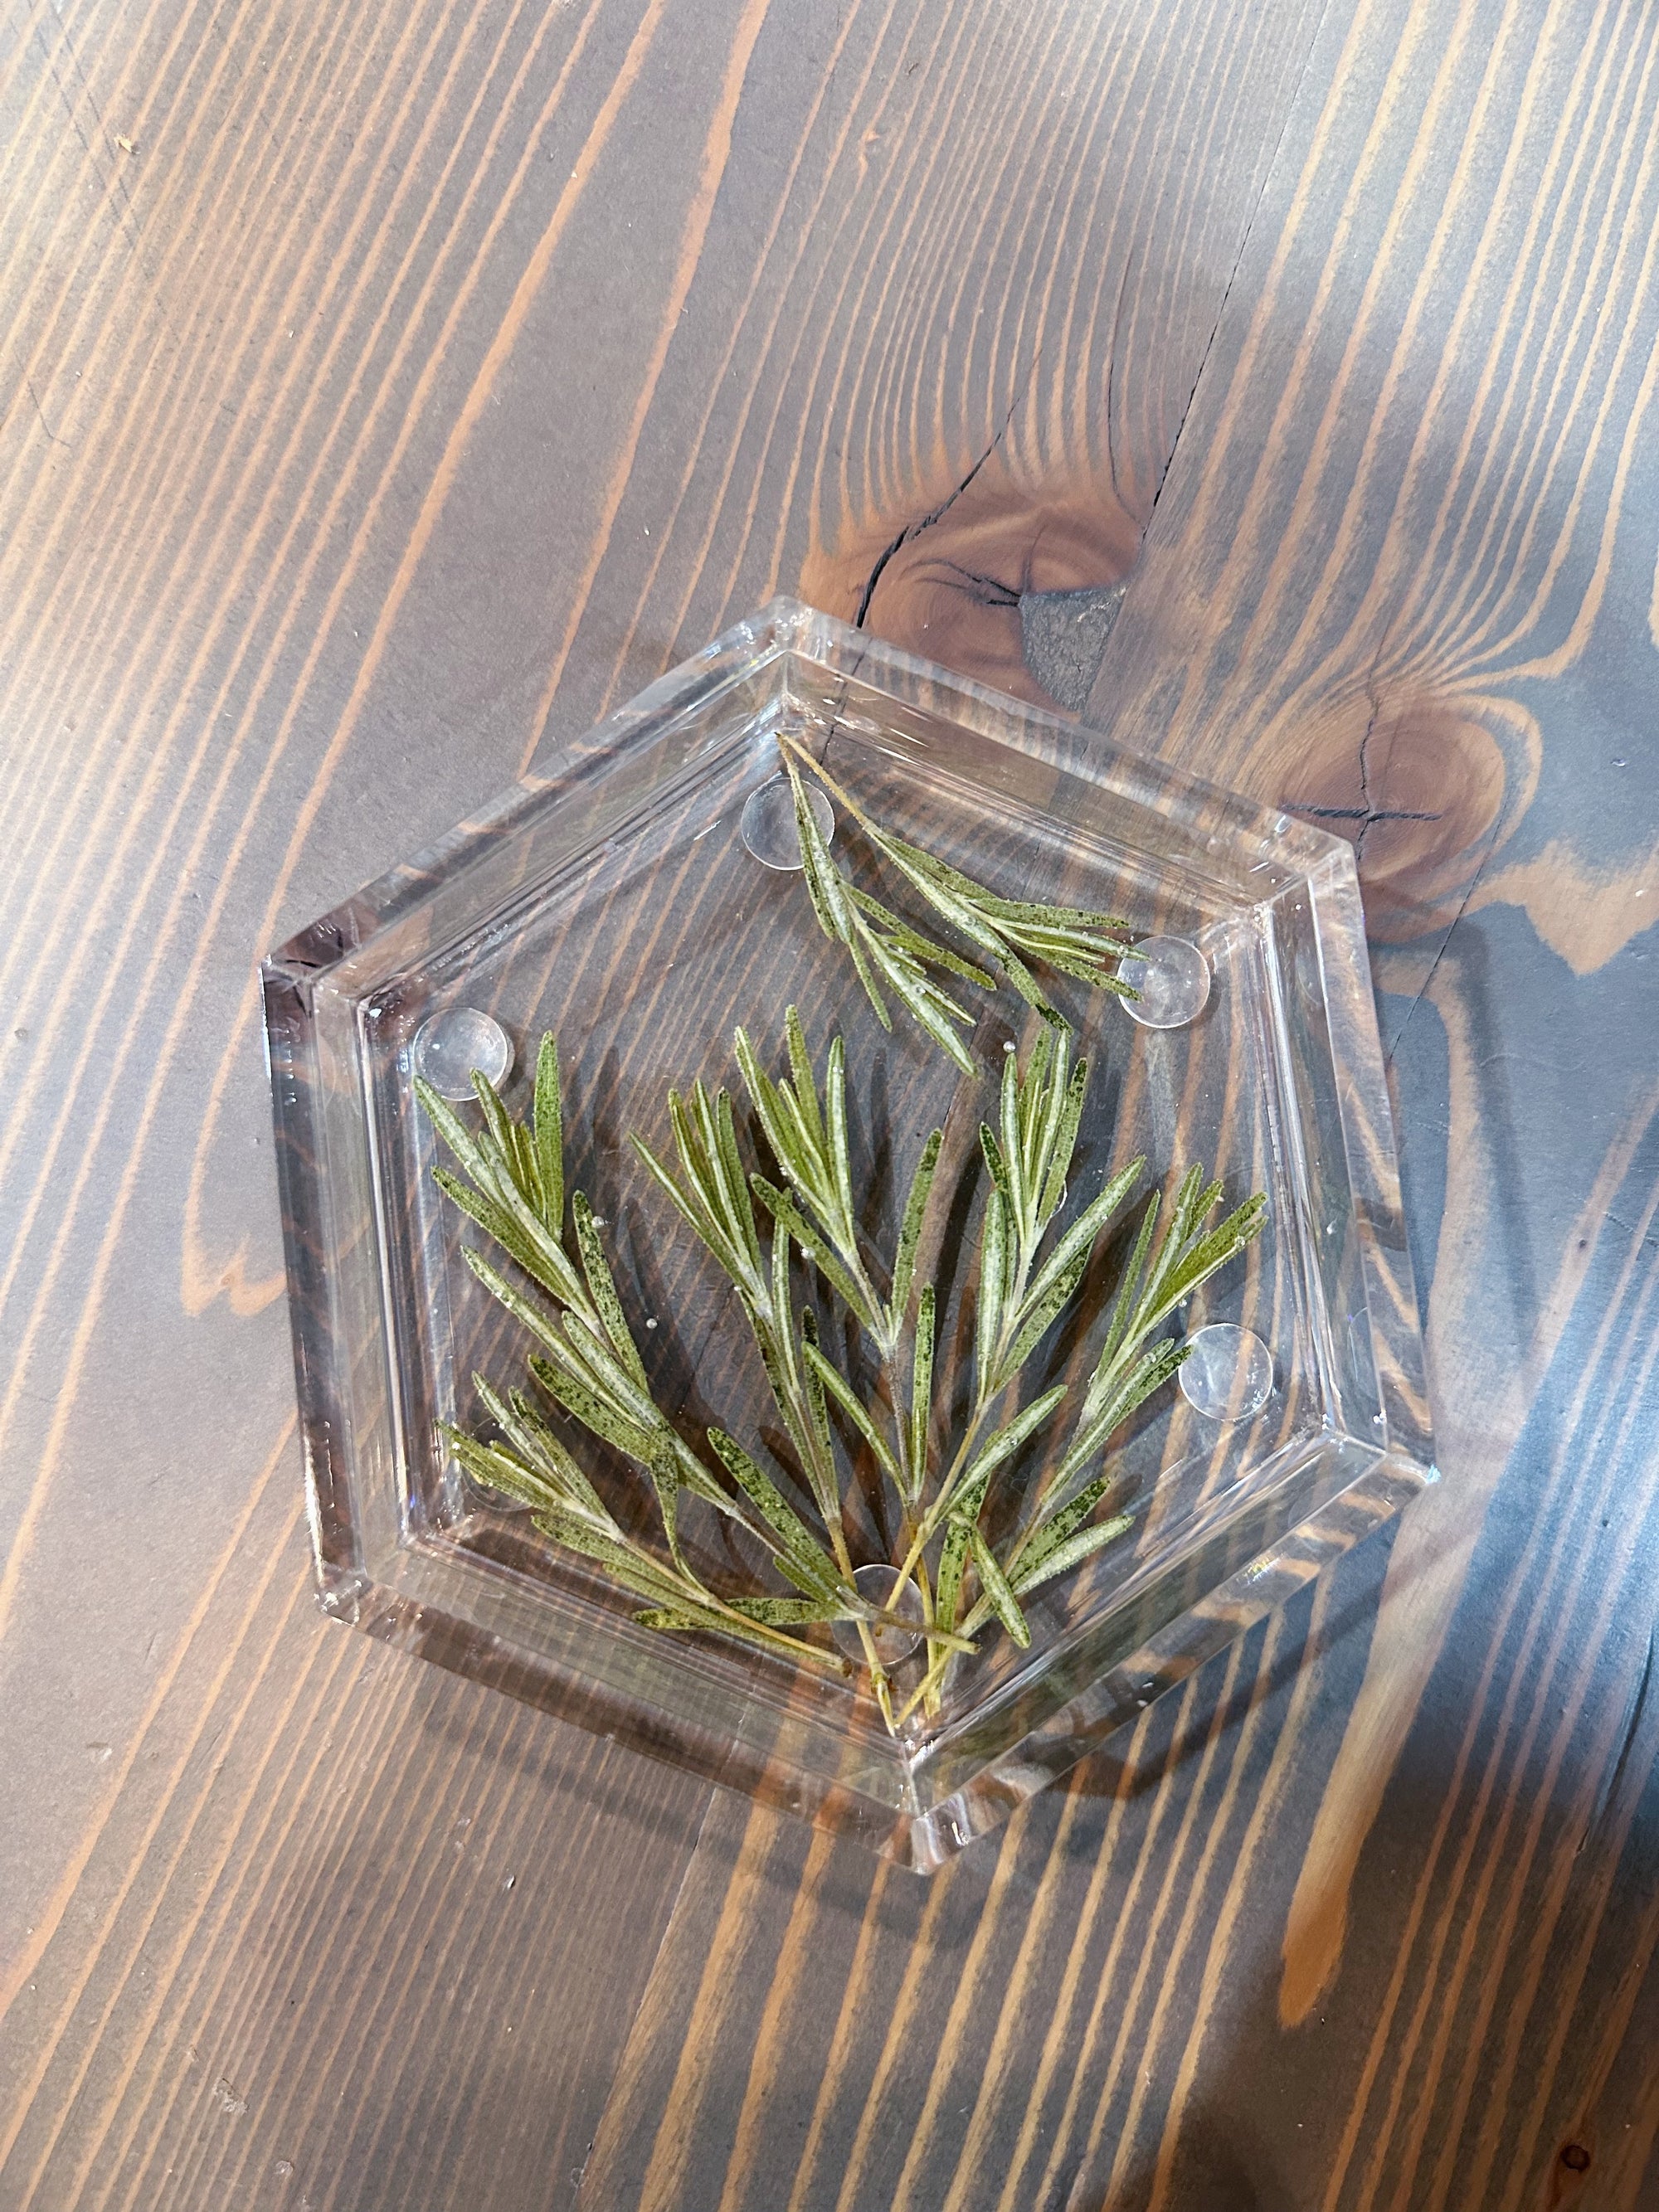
{"x": 1072, "y": 1553}
{"x": 775, "y": 1510}
{"x": 847, "y": 1398}
{"x": 500, "y": 1127}
{"x": 602, "y": 1288}
{"x": 993, "y": 1260}
{"x": 998, "y": 1447}
{"x": 585, "y": 1404}
{"x": 915, "y": 1208}
{"x": 952, "y": 1560}
{"x": 922, "y": 1392}
{"x": 1078, "y": 1240}
{"x": 818, "y": 1248}
{"x": 815, "y": 1397}
{"x": 995, "y": 1584}
{"x": 787, "y": 1612}
{"x": 800, "y": 1062}
{"x": 548, "y": 1132}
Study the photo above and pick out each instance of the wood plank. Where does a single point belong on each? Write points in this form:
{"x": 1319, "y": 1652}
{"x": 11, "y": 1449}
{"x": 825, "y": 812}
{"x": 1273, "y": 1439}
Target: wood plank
{"x": 1093, "y": 2013}
{"x": 259, "y": 1937}
{"x": 426, "y": 379}
{"x": 1420, "y": 532}
{"x": 387, "y": 390}
{"x": 337, "y": 1937}
{"x": 1398, "y": 575}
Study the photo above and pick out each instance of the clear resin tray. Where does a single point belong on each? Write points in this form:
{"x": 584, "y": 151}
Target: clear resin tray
{"x": 630, "y": 901}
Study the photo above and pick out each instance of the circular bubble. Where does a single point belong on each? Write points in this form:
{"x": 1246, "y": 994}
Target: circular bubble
{"x": 769, "y": 821}
{"x": 449, "y": 1045}
{"x": 876, "y": 1584}
{"x": 1171, "y": 980}
{"x": 1228, "y": 1372}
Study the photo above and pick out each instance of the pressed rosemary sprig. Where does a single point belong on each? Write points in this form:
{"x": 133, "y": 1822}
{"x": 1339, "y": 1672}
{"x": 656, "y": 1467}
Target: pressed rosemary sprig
{"x": 941, "y": 1471}
{"x": 1022, "y": 1291}
{"x": 1056, "y": 1534}
{"x": 808, "y": 1135}
{"x": 884, "y": 950}
{"x": 1010, "y": 934}
{"x": 589, "y": 1366}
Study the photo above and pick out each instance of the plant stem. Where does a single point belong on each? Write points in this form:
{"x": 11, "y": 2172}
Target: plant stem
{"x": 793, "y": 745}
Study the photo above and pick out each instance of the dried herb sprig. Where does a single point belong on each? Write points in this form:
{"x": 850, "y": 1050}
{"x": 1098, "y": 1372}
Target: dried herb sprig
{"x": 1010, "y": 934}
{"x": 1056, "y": 1532}
{"x": 884, "y": 950}
{"x": 808, "y": 1135}
{"x": 589, "y": 1364}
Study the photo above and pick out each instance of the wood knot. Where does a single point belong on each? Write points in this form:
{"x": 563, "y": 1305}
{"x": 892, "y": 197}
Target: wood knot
{"x": 1416, "y": 785}
{"x": 946, "y": 578}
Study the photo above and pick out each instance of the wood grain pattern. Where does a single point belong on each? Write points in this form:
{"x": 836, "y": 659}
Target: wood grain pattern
{"x": 1435, "y": 572}
{"x": 1299, "y": 675}
{"x": 388, "y": 389}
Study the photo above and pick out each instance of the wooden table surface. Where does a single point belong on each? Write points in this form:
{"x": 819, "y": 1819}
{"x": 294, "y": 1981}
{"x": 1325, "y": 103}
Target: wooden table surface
{"x": 388, "y": 388}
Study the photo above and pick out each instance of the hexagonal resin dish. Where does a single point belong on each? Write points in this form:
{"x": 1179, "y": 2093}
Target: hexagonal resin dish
{"x": 636, "y": 902}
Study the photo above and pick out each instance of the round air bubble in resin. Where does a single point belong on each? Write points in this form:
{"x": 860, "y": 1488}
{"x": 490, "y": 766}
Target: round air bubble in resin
{"x": 450, "y": 1045}
{"x": 1228, "y": 1372}
{"x": 1172, "y": 978}
{"x": 892, "y": 1645}
{"x": 769, "y": 821}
